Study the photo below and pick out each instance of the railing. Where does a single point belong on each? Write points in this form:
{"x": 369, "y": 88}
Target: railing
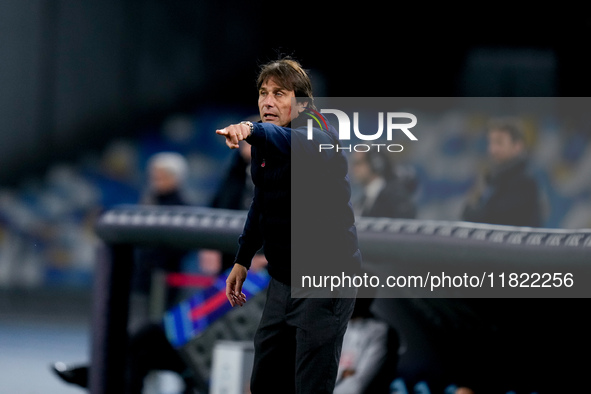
{"x": 389, "y": 245}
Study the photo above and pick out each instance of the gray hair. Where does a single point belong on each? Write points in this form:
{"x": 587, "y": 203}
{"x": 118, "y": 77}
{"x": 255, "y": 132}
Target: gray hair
{"x": 173, "y": 162}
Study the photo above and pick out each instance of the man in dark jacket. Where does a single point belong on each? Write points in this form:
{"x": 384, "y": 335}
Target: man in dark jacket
{"x": 302, "y": 217}
{"x": 507, "y": 193}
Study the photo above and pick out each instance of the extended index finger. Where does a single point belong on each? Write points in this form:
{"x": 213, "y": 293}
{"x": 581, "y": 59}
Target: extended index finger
{"x": 231, "y": 138}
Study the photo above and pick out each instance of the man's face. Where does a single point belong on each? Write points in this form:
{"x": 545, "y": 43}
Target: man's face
{"x": 275, "y": 103}
{"x": 162, "y": 181}
{"x": 361, "y": 169}
{"x": 501, "y": 146}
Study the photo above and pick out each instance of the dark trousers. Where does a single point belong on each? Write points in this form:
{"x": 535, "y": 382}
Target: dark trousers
{"x": 298, "y": 342}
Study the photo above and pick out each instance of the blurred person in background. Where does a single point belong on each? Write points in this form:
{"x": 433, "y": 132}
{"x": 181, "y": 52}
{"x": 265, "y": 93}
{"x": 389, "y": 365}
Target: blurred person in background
{"x": 236, "y": 189}
{"x": 234, "y": 192}
{"x": 506, "y": 193}
{"x": 383, "y": 192}
{"x": 167, "y": 173}
{"x": 369, "y": 356}
{"x": 148, "y": 348}
{"x": 370, "y": 348}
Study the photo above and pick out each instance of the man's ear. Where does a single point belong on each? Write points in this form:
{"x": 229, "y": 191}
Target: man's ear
{"x": 302, "y": 105}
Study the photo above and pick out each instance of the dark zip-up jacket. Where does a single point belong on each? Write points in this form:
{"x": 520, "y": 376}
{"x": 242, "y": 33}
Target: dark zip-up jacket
{"x": 301, "y": 211}
{"x": 511, "y": 197}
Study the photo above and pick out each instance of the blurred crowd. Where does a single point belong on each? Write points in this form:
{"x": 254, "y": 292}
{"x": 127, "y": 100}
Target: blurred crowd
{"x": 46, "y": 224}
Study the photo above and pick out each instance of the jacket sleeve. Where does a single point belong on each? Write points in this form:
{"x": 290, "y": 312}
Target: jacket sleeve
{"x": 287, "y": 141}
{"x": 271, "y": 138}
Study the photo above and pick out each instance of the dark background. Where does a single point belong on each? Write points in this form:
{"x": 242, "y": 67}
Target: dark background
{"x": 76, "y": 74}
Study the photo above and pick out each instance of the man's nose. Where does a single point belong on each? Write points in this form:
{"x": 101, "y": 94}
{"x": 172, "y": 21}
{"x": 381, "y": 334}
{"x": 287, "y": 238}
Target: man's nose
{"x": 268, "y": 101}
